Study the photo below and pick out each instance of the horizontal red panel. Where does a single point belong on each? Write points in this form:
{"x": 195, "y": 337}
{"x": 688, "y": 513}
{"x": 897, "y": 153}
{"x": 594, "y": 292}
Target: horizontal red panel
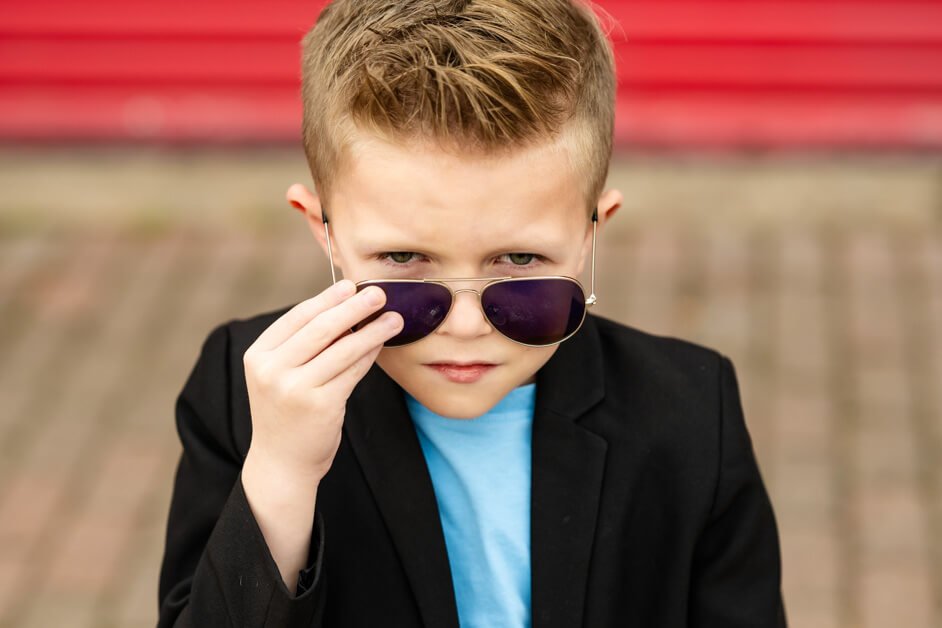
{"x": 803, "y": 20}
{"x": 134, "y": 17}
{"x": 149, "y": 61}
{"x": 764, "y": 120}
{"x": 649, "y": 66}
{"x": 895, "y": 67}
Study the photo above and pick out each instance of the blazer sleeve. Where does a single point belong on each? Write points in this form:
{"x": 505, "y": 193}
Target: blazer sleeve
{"x": 736, "y": 575}
{"x": 217, "y": 569}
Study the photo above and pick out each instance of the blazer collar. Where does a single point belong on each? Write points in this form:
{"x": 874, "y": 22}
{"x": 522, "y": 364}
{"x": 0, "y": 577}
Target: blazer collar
{"x": 567, "y": 468}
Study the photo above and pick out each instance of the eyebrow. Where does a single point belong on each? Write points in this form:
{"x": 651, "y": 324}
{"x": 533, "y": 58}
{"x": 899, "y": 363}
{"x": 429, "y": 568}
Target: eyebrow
{"x": 515, "y": 247}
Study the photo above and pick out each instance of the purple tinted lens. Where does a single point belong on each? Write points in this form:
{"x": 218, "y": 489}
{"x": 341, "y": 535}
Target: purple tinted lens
{"x": 535, "y": 311}
{"x": 423, "y": 306}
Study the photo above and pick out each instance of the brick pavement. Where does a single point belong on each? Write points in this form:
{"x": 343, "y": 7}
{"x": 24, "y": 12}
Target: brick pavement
{"x": 835, "y": 331}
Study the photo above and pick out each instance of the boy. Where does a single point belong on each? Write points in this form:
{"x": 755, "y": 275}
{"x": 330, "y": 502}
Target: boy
{"x": 486, "y": 452}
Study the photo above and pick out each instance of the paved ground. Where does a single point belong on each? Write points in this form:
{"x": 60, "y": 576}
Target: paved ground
{"x": 820, "y": 278}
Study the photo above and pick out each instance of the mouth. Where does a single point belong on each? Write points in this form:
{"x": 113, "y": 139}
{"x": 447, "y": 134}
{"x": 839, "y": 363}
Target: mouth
{"x": 462, "y": 372}
{"x": 461, "y": 364}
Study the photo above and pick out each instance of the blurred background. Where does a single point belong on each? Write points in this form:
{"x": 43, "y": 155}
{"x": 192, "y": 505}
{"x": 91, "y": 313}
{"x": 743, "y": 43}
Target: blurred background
{"x": 782, "y": 174}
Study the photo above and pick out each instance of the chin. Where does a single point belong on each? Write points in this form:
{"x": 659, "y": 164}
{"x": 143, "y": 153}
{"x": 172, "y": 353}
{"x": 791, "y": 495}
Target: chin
{"x": 464, "y": 404}
{"x": 456, "y": 401}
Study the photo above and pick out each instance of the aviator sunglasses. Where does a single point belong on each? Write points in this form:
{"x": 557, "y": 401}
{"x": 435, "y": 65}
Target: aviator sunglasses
{"x": 535, "y": 311}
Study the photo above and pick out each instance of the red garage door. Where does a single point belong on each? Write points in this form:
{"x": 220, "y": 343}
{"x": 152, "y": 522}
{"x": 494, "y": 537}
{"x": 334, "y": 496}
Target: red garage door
{"x": 710, "y": 72}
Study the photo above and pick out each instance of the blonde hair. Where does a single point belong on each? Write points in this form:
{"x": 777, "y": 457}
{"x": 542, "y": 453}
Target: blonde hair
{"x": 472, "y": 76}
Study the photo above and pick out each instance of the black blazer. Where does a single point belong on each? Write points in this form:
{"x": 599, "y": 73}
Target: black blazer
{"x": 648, "y": 508}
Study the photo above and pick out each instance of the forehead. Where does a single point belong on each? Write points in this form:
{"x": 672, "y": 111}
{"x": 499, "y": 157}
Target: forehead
{"x": 422, "y": 192}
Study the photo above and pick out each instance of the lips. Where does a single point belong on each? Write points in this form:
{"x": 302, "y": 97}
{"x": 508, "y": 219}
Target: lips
{"x": 462, "y": 373}
{"x": 459, "y": 364}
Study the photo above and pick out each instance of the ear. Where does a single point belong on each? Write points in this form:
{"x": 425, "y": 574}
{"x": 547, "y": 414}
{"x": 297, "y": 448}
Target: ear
{"x": 309, "y": 204}
{"x": 608, "y": 204}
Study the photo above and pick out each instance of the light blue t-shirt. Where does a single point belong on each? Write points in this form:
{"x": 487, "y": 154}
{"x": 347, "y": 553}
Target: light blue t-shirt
{"x": 480, "y": 470}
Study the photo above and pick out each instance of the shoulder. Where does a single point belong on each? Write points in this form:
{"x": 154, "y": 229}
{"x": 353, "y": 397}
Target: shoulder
{"x": 670, "y": 403}
{"x": 632, "y": 355}
{"x": 217, "y": 381}
{"x": 236, "y": 334}
{"x": 228, "y": 340}
{"x": 672, "y": 391}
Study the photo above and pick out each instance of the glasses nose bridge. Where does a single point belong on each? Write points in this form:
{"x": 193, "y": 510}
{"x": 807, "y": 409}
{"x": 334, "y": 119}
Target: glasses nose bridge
{"x": 455, "y": 291}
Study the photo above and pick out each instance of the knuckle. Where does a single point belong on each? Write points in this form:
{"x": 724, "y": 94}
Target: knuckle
{"x": 333, "y": 315}
{"x": 375, "y": 334}
{"x": 264, "y": 373}
{"x": 362, "y": 357}
{"x": 319, "y": 329}
{"x": 285, "y": 385}
{"x": 251, "y": 362}
{"x": 309, "y": 308}
{"x": 356, "y": 372}
{"x": 348, "y": 352}
{"x": 319, "y": 402}
{"x": 364, "y": 363}
{"x": 370, "y": 355}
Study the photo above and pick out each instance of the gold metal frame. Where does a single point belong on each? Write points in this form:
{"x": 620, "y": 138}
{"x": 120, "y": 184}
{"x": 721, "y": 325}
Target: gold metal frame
{"x": 589, "y": 301}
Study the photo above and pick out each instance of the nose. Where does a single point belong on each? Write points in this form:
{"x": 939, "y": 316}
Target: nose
{"x": 466, "y": 319}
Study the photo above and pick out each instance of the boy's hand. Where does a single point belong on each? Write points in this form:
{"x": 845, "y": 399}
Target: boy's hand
{"x": 302, "y": 369}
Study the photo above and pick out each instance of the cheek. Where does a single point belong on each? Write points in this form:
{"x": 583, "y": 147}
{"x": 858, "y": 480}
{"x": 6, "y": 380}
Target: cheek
{"x": 396, "y": 359}
{"x": 535, "y": 357}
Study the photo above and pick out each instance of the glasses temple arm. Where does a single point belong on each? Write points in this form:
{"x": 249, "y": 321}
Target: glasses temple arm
{"x": 595, "y": 221}
{"x": 330, "y": 255}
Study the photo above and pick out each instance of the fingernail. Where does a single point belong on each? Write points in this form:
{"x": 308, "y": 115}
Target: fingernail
{"x": 374, "y": 295}
{"x": 346, "y": 287}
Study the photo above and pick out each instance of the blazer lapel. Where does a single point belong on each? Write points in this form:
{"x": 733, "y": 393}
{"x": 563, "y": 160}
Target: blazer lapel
{"x": 567, "y": 467}
{"x": 383, "y": 438}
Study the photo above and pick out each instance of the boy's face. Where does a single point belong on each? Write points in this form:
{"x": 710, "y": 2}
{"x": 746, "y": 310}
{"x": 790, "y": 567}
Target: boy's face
{"x": 407, "y": 213}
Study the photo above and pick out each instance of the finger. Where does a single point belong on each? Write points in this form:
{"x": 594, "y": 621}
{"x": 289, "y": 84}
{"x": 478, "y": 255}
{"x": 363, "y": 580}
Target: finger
{"x": 344, "y": 382}
{"x": 342, "y": 354}
{"x": 302, "y": 313}
{"x": 328, "y": 327}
